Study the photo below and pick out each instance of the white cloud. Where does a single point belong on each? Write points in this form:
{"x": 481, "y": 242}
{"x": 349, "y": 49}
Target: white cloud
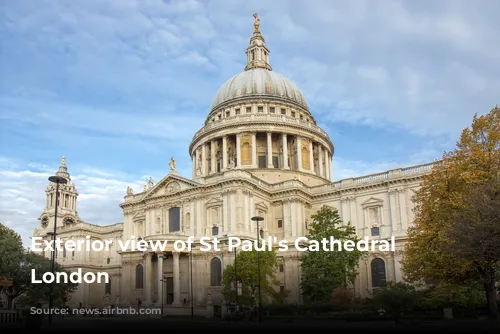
{"x": 22, "y": 196}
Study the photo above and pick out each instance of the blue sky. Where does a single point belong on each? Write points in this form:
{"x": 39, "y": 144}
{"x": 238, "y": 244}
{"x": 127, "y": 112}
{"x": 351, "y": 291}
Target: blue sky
{"x": 119, "y": 87}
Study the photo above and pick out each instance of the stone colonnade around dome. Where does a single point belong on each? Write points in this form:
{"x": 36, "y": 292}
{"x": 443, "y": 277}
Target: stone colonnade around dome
{"x": 274, "y": 137}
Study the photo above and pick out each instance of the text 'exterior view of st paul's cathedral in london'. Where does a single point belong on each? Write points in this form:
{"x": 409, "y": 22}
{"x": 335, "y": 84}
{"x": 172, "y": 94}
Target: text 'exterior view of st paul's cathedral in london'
{"x": 260, "y": 153}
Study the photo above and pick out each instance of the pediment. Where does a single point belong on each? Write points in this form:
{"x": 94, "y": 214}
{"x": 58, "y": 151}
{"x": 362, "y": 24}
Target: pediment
{"x": 141, "y": 215}
{"x": 170, "y": 184}
{"x": 261, "y": 206}
{"x": 214, "y": 201}
{"x": 372, "y": 201}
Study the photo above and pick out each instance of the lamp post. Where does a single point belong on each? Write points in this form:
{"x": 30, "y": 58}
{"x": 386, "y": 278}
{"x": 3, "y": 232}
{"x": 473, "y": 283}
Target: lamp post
{"x": 191, "y": 281}
{"x": 258, "y": 219}
{"x": 57, "y": 180}
{"x": 235, "y": 276}
{"x": 163, "y": 280}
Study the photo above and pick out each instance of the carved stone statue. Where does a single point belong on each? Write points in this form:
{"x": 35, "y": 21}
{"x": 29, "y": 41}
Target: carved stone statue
{"x": 129, "y": 191}
{"x": 150, "y": 182}
{"x": 173, "y": 168}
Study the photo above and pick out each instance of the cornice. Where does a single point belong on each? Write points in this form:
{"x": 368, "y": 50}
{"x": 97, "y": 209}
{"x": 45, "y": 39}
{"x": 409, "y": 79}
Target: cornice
{"x": 264, "y": 98}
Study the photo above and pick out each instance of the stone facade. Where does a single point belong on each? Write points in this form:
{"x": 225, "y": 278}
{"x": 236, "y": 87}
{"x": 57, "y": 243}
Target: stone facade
{"x": 261, "y": 153}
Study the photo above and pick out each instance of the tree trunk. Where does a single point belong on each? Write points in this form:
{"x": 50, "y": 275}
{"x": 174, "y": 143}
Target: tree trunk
{"x": 491, "y": 298}
{"x": 10, "y": 300}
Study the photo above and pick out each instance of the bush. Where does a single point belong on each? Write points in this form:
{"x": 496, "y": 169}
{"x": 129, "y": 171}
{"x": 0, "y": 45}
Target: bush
{"x": 342, "y": 299}
{"x": 396, "y": 298}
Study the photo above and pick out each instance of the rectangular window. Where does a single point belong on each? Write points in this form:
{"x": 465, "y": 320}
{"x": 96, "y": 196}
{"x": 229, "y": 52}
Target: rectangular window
{"x": 174, "y": 219}
{"x": 276, "y": 162}
{"x": 262, "y": 161}
{"x": 280, "y": 223}
{"x": 228, "y": 114}
{"x": 261, "y": 109}
{"x": 215, "y": 230}
{"x": 282, "y": 268}
{"x": 283, "y": 111}
{"x": 249, "y": 110}
{"x": 237, "y": 111}
{"x": 293, "y": 113}
{"x": 271, "y": 110}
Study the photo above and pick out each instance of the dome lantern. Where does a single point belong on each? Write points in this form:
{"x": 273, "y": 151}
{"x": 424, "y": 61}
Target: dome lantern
{"x": 257, "y": 52}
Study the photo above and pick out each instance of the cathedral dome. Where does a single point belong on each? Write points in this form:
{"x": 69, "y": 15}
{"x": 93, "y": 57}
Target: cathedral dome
{"x": 259, "y": 82}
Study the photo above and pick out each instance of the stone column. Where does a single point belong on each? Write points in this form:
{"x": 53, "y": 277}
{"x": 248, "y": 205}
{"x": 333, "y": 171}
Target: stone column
{"x": 270, "y": 150}
{"x": 196, "y": 157}
{"x": 402, "y": 206}
{"x": 225, "y": 213}
{"x": 299, "y": 154}
{"x": 238, "y": 151}
{"x": 285, "y": 152}
{"x": 193, "y": 165}
{"x": 213, "y": 163}
{"x": 148, "y": 279}
{"x": 177, "y": 280}
{"x": 393, "y": 207}
{"x": 320, "y": 160}
{"x": 311, "y": 156}
{"x": 203, "y": 160}
{"x": 327, "y": 165}
{"x": 293, "y": 218}
{"x": 232, "y": 211}
{"x": 159, "y": 276}
{"x": 224, "y": 153}
{"x": 254, "y": 150}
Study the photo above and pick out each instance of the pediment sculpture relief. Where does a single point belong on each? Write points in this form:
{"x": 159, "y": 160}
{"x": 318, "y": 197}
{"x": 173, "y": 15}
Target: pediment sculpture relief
{"x": 172, "y": 187}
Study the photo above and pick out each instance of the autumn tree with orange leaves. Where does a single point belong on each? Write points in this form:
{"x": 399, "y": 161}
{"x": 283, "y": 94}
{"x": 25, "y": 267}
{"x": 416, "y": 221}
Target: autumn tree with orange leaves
{"x": 456, "y": 236}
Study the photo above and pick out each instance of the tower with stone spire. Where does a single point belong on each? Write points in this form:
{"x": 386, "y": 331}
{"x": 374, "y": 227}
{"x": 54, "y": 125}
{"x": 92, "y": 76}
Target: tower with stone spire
{"x": 68, "y": 194}
{"x": 257, "y": 51}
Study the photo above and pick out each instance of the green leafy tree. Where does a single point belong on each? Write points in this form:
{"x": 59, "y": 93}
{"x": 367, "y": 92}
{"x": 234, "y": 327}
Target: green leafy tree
{"x": 16, "y": 266}
{"x": 324, "y": 271}
{"x": 247, "y": 274}
{"x": 453, "y": 295}
{"x": 39, "y": 293}
{"x": 11, "y": 255}
{"x": 457, "y": 229}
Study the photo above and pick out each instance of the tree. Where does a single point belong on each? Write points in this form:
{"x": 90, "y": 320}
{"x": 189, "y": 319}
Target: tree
{"x": 37, "y": 293}
{"x": 324, "y": 271}
{"x": 11, "y": 250}
{"x": 247, "y": 274}
{"x": 457, "y": 229}
{"x": 16, "y": 266}
{"x": 11, "y": 254}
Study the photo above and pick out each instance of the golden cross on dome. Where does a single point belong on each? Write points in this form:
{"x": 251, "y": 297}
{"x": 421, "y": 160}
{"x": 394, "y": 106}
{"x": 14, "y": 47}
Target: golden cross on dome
{"x": 63, "y": 160}
{"x": 256, "y": 24}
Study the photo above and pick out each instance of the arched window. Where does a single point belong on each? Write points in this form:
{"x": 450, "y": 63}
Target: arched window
{"x": 378, "y": 272}
{"x": 107, "y": 288}
{"x": 215, "y": 271}
{"x": 139, "y": 277}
